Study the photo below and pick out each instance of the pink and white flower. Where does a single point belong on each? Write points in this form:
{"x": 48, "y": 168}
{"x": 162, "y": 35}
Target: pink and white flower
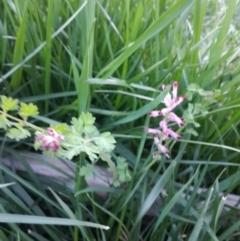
{"x": 51, "y": 140}
{"x": 153, "y": 131}
{"x": 171, "y": 100}
{"x": 155, "y": 113}
{"x": 173, "y": 134}
{"x": 174, "y": 118}
{"x": 161, "y": 147}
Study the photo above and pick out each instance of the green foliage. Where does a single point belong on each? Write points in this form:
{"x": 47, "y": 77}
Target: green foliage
{"x": 24, "y": 110}
{"x": 85, "y": 137}
{"x": 18, "y": 133}
{"x": 27, "y": 110}
{"x": 200, "y": 107}
{"x": 4, "y": 122}
{"x": 8, "y": 103}
{"x": 122, "y": 171}
{"x": 81, "y": 137}
{"x": 110, "y": 58}
{"x": 62, "y": 128}
{"x": 87, "y": 171}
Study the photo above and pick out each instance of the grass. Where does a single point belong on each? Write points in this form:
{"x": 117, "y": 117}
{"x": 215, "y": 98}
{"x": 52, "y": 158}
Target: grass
{"x": 110, "y": 58}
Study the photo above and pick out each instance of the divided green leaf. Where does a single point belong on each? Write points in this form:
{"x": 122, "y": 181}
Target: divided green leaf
{"x": 62, "y": 128}
{"x": 18, "y": 134}
{"x": 122, "y": 170}
{"x": 27, "y": 110}
{"x": 87, "y": 171}
{"x": 84, "y": 137}
{"x": 8, "y": 103}
{"x": 4, "y": 122}
{"x": 105, "y": 142}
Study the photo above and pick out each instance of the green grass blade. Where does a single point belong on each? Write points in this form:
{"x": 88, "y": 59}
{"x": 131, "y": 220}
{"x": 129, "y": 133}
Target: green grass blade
{"x": 19, "y": 48}
{"x": 6, "y": 184}
{"x": 42, "y": 45}
{"x": 142, "y": 111}
{"x": 84, "y": 94}
{"x": 164, "y": 20}
{"x": 217, "y": 48}
{"x": 29, "y": 219}
{"x": 198, "y": 227}
{"x": 154, "y": 193}
{"x": 172, "y": 202}
{"x": 48, "y": 50}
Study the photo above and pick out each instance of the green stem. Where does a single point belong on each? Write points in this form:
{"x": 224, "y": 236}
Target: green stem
{"x": 80, "y": 185}
{"x": 123, "y": 213}
{"x": 134, "y": 176}
{"x": 111, "y": 164}
{"x": 22, "y": 121}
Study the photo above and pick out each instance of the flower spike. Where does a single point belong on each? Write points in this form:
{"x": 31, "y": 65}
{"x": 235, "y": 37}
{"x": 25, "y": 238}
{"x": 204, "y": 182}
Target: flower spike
{"x": 171, "y": 101}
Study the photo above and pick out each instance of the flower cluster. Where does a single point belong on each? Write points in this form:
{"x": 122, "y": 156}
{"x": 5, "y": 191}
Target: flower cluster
{"x": 50, "y": 140}
{"x": 170, "y": 101}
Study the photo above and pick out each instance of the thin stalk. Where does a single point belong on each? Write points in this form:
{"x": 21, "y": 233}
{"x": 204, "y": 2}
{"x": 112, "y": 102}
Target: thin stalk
{"x": 48, "y": 53}
{"x": 80, "y": 185}
{"x": 22, "y": 121}
{"x": 135, "y": 174}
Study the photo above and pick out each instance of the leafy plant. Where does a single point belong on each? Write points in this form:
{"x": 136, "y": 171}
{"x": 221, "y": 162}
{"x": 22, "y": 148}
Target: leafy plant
{"x": 62, "y": 140}
{"x": 110, "y": 58}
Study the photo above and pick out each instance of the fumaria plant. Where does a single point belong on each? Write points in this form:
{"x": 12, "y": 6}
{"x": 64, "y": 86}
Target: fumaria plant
{"x": 171, "y": 101}
{"x": 64, "y": 141}
{"x": 82, "y": 136}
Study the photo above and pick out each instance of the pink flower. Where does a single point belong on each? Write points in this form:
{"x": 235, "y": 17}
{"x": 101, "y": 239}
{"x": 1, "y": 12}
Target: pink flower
{"x": 174, "y": 134}
{"x": 161, "y": 147}
{"x": 163, "y": 125}
{"x": 171, "y": 100}
{"x": 168, "y": 101}
{"x": 155, "y": 113}
{"x": 175, "y": 88}
{"x": 174, "y": 118}
{"x": 178, "y": 101}
{"x": 153, "y": 131}
{"x": 168, "y": 131}
{"x": 165, "y": 111}
{"x": 51, "y": 140}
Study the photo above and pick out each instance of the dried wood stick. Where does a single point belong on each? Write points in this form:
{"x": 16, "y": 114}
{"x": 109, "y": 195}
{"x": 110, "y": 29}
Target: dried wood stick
{"x": 64, "y": 171}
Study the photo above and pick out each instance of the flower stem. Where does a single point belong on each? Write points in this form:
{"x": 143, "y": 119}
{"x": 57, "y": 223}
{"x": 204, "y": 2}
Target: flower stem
{"x": 22, "y": 121}
{"x": 80, "y": 185}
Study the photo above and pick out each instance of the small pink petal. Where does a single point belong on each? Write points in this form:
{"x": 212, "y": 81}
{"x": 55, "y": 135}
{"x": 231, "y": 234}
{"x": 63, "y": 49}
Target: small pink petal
{"x": 55, "y": 134}
{"x": 178, "y": 101}
{"x": 174, "y": 134}
{"x": 165, "y": 111}
{"x": 162, "y": 148}
{"x": 173, "y": 117}
{"x": 153, "y": 131}
{"x": 163, "y": 125}
{"x": 156, "y": 140}
{"x": 164, "y": 87}
{"x": 51, "y": 140}
{"x": 175, "y": 89}
{"x": 168, "y": 100}
{"x": 155, "y": 113}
